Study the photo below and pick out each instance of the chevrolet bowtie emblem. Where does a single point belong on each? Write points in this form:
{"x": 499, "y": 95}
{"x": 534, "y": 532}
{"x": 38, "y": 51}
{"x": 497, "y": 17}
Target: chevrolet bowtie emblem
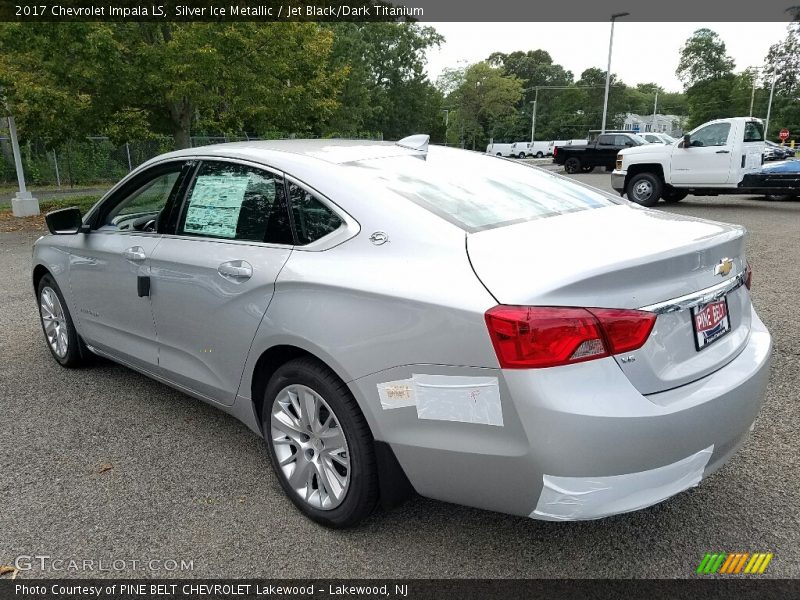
{"x": 724, "y": 267}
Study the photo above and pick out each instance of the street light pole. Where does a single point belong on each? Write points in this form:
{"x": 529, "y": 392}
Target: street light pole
{"x": 533, "y": 115}
{"x": 23, "y": 204}
{"x": 446, "y": 123}
{"x": 655, "y": 110}
{"x": 614, "y": 17}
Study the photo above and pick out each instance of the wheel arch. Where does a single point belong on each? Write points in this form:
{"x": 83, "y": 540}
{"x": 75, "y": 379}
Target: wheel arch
{"x": 39, "y": 271}
{"x": 654, "y": 168}
{"x": 393, "y": 484}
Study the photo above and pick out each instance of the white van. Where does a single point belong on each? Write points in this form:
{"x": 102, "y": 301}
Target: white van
{"x": 531, "y": 149}
{"x": 499, "y": 149}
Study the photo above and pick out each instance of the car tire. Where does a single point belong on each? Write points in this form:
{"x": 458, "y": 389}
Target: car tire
{"x": 305, "y": 406}
{"x": 499, "y": 154}
{"x": 644, "y": 189}
{"x": 587, "y": 169}
{"x": 572, "y": 165}
{"x": 521, "y": 155}
{"x": 671, "y": 195}
{"x": 62, "y": 338}
{"x": 539, "y": 154}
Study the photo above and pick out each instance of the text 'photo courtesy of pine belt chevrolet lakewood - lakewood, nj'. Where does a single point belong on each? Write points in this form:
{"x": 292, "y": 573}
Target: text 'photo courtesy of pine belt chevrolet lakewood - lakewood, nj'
{"x": 396, "y": 318}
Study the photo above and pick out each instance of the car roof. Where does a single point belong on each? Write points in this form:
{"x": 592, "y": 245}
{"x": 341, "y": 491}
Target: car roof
{"x": 333, "y": 151}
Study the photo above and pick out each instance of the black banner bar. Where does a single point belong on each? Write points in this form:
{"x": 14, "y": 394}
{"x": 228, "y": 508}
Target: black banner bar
{"x": 734, "y": 587}
{"x": 650, "y": 11}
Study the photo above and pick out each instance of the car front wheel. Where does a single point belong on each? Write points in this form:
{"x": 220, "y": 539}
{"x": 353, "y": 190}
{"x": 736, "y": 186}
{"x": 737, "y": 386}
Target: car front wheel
{"x": 644, "y": 189}
{"x": 59, "y": 331}
{"x": 319, "y": 444}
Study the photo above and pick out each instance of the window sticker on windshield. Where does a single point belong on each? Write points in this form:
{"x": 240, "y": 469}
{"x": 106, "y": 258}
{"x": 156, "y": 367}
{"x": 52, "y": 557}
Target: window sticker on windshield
{"x": 215, "y": 204}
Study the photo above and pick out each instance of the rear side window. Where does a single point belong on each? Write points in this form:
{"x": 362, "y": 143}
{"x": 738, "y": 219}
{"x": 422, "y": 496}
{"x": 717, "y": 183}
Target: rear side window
{"x": 237, "y": 202}
{"x": 312, "y": 219}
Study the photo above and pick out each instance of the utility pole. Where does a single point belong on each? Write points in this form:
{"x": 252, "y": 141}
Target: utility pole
{"x": 23, "y": 204}
{"x": 655, "y": 109}
{"x": 533, "y": 121}
{"x": 614, "y": 17}
{"x": 771, "y": 94}
{"x": 753, "y": 93}
{"x": 446, "y": 123}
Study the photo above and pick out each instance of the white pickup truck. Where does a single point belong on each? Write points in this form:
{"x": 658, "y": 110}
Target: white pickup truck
{"x": 718, "y": 157}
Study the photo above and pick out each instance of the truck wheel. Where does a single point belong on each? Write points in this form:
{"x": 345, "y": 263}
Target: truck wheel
{"x": 644, "y": 189}
{"x": 539, "y": 154}
{"x": 572, "y": 165}
{"x": 521, "y": 155}
{"x": 672, "y": 195}
{"x": 587, "y": 169}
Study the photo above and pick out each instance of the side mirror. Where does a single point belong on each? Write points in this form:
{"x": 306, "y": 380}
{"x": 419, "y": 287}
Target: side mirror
{"x": 65, "y": 221}
{"x": 687, "y": 141}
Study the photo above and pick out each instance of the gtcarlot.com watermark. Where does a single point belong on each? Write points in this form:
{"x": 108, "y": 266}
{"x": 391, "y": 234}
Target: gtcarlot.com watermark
{"x": 47, "y": 563}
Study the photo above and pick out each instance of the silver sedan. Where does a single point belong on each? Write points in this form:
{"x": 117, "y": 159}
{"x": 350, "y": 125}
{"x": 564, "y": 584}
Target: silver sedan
{"x": 393, "y": 318}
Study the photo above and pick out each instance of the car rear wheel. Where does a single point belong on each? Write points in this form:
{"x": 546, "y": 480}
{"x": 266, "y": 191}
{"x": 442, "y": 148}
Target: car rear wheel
{"x": 539, "y": 154}
{"x": 59, "y": 331}
{"x": 499, "y": 154}
{"x": 521, "y": 155}
{"x": 644, "y": 189}
{"x": 572, "y": 165}
{"x": 319, "y": 444}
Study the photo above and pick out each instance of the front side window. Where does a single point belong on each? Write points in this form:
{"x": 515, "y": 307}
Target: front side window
{"x": 236, "y": 202}
{"x": 312, "y": 219}
{"x": 715, "y": 134}
{"x": 606, "y": 140}
{"x": 142, "y": 209}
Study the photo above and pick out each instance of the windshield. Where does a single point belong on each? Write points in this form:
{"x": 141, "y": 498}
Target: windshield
{"x": 477, "y": 192}
{"x": 640, "y": 139}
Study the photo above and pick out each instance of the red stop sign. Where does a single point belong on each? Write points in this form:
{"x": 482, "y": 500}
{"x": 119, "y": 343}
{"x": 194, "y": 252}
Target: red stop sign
{"x": 784, "y": 134}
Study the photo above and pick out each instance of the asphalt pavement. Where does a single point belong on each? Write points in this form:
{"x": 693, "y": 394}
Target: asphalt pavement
{"x": 104, "y": 464}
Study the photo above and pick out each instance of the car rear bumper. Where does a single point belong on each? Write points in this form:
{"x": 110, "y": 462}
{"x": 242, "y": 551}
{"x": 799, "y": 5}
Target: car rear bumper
{"x": 618, "y": 180}
{"x": 573, "y": 442}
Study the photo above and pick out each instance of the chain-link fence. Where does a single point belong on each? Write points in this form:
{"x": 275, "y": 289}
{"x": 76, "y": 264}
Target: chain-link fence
{"x": 97, "y": 160}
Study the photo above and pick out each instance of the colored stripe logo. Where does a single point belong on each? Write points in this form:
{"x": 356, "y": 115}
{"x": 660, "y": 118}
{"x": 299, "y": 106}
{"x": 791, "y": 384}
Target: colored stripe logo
{"x": 735, "y": 563}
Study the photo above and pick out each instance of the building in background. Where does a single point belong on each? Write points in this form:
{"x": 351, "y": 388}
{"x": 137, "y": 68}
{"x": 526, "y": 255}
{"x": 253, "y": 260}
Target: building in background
{"x": 669, "y": 124}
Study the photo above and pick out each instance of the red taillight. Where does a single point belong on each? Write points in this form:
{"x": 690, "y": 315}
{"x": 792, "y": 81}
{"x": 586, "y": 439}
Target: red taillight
{"x": 532, "y": 337}
{"x": 555, "y": 151}
{"x": 748, "y": 275}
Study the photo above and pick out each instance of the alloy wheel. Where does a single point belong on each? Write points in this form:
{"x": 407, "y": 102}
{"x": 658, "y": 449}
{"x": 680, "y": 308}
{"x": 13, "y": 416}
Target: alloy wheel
{"x": 310, "y": 447}
{"x": 55, "y": 322}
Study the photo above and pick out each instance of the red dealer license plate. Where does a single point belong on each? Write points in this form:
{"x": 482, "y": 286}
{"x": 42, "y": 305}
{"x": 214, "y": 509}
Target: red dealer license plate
{"x": 711, "y": 321}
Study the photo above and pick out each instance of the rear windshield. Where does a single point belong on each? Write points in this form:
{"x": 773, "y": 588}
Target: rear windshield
{"x": 478, "y": 192}
{"x": 753, "y": 131}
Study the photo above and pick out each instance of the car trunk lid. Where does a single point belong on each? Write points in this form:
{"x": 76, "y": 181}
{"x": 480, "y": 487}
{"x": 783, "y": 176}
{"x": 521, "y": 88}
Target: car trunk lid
{"x": 625, "y": 257}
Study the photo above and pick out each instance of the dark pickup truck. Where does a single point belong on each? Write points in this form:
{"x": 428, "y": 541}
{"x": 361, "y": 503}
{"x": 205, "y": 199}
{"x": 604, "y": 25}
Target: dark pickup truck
{"x": 600, "y": 153}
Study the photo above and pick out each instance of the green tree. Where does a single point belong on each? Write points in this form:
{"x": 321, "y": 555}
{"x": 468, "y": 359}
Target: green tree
{"x": 123, "y": 79}
{"x": 386, "y": 89}
{"x": 703, "y": 57}
{"x": 485, "y": 101}
{"x": 783, "y": 59}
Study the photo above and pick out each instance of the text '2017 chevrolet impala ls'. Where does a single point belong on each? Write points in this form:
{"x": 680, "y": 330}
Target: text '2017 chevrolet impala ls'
{"x": 393, "y": 317}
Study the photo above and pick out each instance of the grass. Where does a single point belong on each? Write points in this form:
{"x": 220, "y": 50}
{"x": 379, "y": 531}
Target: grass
{"x": 9, "y": 223}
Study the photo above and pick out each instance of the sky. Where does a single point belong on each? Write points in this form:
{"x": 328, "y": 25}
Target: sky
{"x": 643, "y": 52}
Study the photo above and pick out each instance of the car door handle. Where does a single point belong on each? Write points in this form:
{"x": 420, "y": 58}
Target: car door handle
{"x": 134, "y": 253}
{"x": 723, "y": 151}
{"x": 236, "y": 270}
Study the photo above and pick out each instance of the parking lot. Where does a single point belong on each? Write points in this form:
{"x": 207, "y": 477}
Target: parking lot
{"x": 105, "y": 464}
